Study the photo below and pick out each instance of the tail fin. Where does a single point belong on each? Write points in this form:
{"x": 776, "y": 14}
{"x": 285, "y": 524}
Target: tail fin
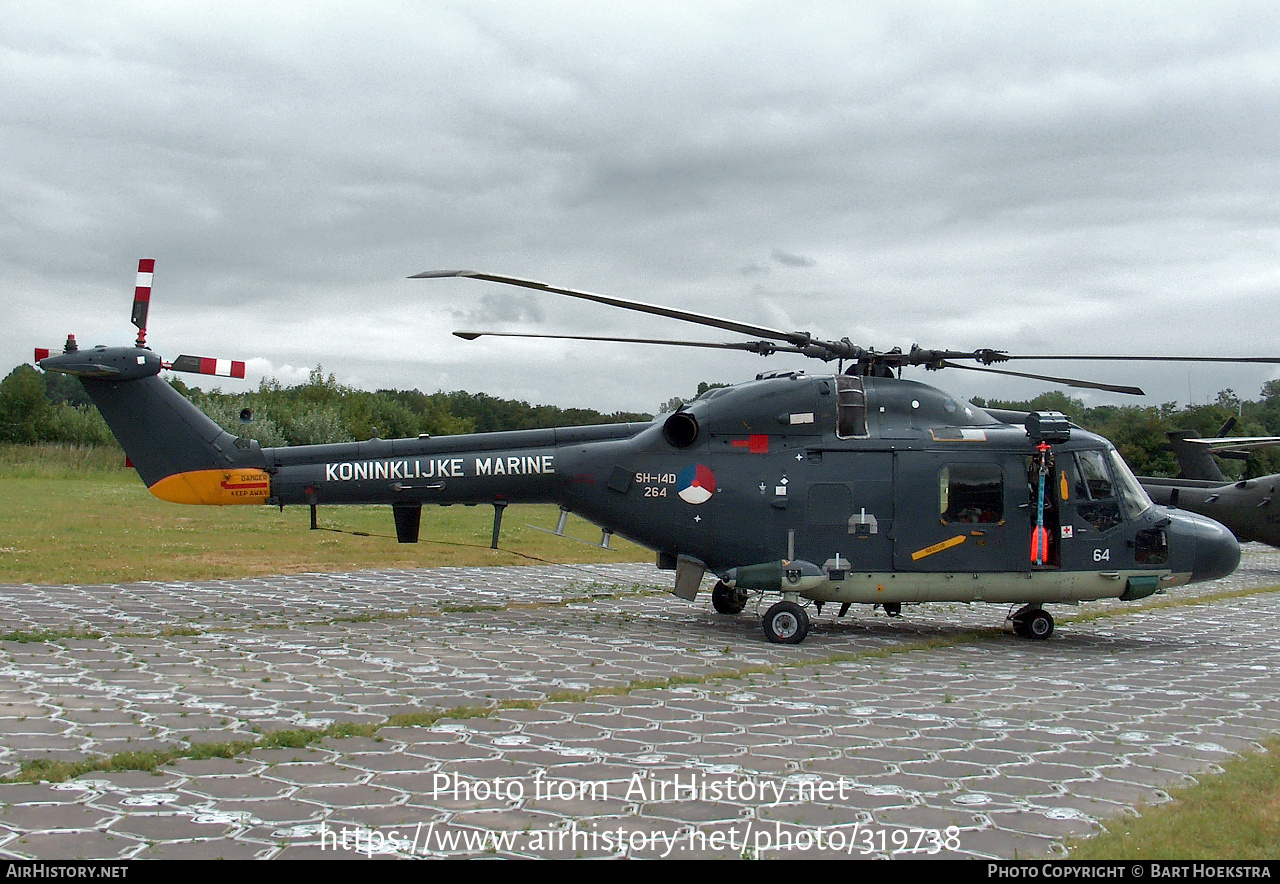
{"x": 181, "y": 454}
{"x": 1194, "y": 461}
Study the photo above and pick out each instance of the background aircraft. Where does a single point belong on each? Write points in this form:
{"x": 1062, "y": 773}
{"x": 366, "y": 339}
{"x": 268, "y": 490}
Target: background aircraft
{"x": 1248, "y": 507}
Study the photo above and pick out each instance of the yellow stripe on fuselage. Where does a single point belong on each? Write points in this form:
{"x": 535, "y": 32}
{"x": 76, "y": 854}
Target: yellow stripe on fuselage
{"x": 937, "y": 547}
{"x": 215, "y": 487}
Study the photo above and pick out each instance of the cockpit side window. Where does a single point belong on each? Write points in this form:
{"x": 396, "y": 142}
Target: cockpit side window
{"x": 1096, "y": 500}
{"x": 1093, "y": 479}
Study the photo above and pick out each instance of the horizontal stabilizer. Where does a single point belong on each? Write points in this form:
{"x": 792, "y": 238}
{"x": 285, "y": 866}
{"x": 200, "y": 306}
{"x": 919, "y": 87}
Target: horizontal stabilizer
{"x": 1238, "y": 443}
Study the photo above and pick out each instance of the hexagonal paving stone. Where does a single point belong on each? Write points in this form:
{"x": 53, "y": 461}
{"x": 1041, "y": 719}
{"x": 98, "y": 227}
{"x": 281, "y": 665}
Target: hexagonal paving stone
{"x": 925, "y": 738}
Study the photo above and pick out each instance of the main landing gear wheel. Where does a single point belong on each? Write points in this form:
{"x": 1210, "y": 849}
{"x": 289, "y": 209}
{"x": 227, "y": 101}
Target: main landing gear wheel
{"x": 1036, "y": 623}
{"x": 727, "y": 600}
{"x": 786, "y": 623}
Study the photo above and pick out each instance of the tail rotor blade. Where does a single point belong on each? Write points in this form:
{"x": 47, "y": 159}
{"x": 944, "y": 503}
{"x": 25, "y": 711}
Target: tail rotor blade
{"x": 142, "y": 297}
{"x": 69, "y": 347}
{"x": 223, "y": 368}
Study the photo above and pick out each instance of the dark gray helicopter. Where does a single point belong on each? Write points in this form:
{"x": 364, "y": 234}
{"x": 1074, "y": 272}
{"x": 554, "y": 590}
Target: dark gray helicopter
{"x": 1247, "y": 507}
{"x": 842, "y": 488}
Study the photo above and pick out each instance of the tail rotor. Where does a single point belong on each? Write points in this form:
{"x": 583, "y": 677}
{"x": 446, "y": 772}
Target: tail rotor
{"x": 226, "y": 368}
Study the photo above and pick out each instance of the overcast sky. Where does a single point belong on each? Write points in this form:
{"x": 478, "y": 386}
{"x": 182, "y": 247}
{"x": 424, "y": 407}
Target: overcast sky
{"x": 1039, "y": 178}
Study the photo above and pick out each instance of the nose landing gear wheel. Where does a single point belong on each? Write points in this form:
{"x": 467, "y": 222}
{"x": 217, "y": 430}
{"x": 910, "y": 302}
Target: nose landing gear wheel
{"x": 728, "y": 601}
{"x": 786, "y": 623}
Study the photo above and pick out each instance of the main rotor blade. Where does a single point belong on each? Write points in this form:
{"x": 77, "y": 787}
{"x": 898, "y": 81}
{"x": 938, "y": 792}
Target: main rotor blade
{"x": 799, "y": 339}
{"x": 1265, "y": 360}
{"x": 1070, "y": 382}
{"x": 764, "y": 348}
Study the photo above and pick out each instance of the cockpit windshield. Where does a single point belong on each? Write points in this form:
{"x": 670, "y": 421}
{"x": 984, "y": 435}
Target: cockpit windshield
{"x": 1134, "y": 499}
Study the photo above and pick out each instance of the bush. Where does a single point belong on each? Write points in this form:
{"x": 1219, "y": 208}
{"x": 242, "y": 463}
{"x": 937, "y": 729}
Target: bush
{"x": 79, "y": 425}
{"x": 25, "y": 413}
{"x": 225, "y": 412}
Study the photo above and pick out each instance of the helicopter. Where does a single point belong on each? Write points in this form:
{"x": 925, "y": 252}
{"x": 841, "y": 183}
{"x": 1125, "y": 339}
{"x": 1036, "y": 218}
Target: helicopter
{"x": 1244, "y": 506}
{"x": 850, "y": 487}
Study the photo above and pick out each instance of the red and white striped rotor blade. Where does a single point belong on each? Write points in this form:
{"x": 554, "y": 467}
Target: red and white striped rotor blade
{"x": 69, "y": 347}
{"x": 223, "y": 368}
{"x": 142, "y": 297}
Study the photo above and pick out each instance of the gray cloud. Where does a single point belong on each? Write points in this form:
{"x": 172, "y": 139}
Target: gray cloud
{"x": 493, "y": 311}
{"x": 1081, "y": 179}
{"x": 788, "y": 260}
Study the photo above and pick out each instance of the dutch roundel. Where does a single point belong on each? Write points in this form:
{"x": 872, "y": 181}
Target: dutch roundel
{"x": 696, "y": 484}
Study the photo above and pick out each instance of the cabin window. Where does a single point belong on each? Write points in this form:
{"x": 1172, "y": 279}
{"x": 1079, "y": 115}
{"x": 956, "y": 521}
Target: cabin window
{"x": 851, "y": 407}
{"x": 971, "y": 492}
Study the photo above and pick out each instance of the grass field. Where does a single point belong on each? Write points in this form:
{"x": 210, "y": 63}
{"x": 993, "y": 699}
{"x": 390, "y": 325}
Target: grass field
{"x": 79, "y": 516}
{"x": 1235, "y": 815}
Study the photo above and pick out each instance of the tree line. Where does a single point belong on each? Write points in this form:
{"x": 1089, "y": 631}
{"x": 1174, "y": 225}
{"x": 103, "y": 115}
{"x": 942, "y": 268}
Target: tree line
{"x": 40, "y": 407}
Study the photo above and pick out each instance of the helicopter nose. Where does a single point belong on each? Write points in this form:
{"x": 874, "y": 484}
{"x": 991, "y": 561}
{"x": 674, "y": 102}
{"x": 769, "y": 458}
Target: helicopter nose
{"x": 1217, "y": 550}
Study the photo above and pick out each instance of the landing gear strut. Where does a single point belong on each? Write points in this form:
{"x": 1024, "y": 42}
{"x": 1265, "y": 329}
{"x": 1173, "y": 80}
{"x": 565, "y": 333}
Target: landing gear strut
{"x": 1032, "y": 621}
